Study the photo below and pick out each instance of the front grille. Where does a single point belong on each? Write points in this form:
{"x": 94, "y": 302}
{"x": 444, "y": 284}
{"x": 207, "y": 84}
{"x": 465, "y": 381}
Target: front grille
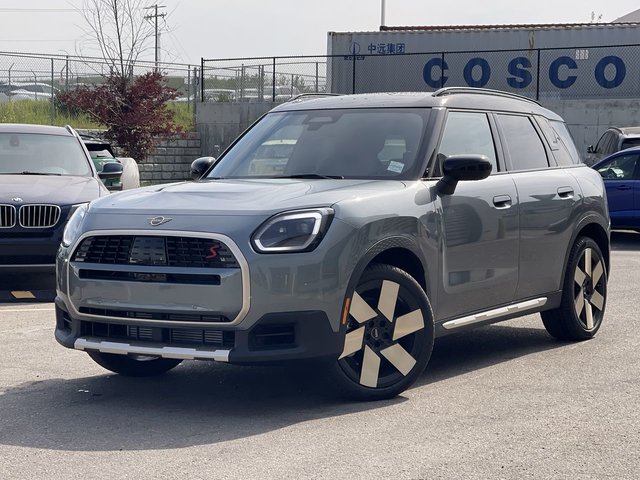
{"x": 39, "y": 216}
{"x": 161, "y": 316}
{"x": 7, "y": 216}
{"x": 167, "y": 336}
{"x": 170, "y": 251}
{"x": 179, "y": 278}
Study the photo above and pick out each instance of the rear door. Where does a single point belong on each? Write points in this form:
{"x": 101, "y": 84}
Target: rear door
{"x": 548, "y": 197}
{"x": 622, "y": 181}
{"x": 479, "y": 224}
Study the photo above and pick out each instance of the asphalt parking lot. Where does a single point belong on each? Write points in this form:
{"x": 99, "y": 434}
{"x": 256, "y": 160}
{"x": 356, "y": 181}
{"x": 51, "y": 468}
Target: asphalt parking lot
{"x": 505, "y": 401}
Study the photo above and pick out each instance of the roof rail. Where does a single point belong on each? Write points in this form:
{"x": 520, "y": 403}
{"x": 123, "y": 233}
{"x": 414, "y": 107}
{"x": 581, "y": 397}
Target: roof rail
{"x": 70, "y": 129}
{"x": 481, "y": 91}
{"x": 312, "y": 95}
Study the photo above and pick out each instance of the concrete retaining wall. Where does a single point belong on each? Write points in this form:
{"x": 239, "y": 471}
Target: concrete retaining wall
{"x": 220, "y": 123}
{"x": 588, "y": 119}
{"x": 171, "y": 158}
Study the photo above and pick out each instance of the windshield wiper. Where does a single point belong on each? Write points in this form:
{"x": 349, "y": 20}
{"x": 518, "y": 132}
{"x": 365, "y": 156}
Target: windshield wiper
{"x": 26, "y": 172}
{"x": 311, "y": 175}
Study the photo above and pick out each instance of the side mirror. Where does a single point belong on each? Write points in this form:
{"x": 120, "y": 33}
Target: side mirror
{"x": 462, "y": 168}
{"x": 199, "y": 166}
{"x": 590, "y": 149}
{"x": 110, "y": 170}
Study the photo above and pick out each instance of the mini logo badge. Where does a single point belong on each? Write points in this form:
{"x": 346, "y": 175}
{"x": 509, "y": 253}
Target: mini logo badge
{"x": 17, "y": 200}
{"x": 155, "y": 221}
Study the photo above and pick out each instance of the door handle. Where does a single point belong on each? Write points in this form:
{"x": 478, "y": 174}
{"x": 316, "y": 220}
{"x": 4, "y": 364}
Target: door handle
{"x": 624, "y": 187}
{"x": 502, "y": 201}
{"x": 565, "y": 192}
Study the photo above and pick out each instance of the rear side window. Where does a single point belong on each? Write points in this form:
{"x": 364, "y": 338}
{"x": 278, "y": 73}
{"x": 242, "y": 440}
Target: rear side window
{"x": 560, "y": 141}
{"x": 630, "y": 142}
{"x": 467, "y": 132}
{"x": 523, "y": 143}
{"x": 567, "y": 141}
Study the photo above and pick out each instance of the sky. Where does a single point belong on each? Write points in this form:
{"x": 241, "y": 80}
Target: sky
{"x": 247, "y": 28}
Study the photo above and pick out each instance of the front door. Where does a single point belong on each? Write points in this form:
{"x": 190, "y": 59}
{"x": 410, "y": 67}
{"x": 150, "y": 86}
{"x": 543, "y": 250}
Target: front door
{"x": 622, "y": 182}
{"x": 479, "y": 225}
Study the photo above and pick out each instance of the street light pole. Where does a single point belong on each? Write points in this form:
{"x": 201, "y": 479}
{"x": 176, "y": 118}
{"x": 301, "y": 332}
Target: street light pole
{"x": 383, "y": 8}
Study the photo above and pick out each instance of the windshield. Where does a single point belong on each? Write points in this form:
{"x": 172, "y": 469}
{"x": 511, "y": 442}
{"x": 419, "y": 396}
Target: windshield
{"x": 357, "y": 143}
{"x": 103, "y": 153}
{"x": 28, "y": 153}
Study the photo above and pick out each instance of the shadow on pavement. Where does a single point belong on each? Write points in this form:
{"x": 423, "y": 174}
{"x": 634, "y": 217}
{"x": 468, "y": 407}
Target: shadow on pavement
{"x": 625, "y": 240}
{"x": 42, "y": 286}
{"x": 201, "y": 404}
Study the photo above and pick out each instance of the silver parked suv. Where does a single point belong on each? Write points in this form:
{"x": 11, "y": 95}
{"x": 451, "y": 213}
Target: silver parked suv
{"x": 353, "y": 229}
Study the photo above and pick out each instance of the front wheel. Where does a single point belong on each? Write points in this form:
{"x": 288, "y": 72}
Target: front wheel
{"x": 389, "y": 335}
{"x": 134, "y": 366}
{"x": 584, "y": 294}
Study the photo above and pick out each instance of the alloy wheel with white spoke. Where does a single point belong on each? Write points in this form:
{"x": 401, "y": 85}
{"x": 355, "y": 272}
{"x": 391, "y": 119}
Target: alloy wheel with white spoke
{"x": 389, "y": 334}
{"x": 584, "y": 294}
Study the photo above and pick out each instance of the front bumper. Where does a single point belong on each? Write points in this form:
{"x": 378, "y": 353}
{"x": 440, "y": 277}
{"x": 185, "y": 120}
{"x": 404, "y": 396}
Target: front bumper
{"x": 276, "y": 337}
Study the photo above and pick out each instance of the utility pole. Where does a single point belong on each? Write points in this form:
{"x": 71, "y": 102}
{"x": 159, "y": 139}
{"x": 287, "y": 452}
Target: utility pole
{"x": 155, "y": 16}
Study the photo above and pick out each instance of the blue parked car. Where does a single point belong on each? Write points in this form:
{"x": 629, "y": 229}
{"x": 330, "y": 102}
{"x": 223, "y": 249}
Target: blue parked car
{"x": 621, "y": 174}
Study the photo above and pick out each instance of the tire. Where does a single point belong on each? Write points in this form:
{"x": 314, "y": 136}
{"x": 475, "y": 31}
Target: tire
{"x": 584, "y": 294}
{"x": 389, "y": 335}
{"x": 138, "y": 366}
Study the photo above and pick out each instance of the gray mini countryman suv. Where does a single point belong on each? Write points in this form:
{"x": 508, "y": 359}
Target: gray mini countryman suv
{"x": 353, "y": 229}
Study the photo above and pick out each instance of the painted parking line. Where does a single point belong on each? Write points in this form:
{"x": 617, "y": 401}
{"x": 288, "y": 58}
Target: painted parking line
{"x": 22, "y": 295}
{"x": 16, "y": 310}
{"x": 27, "y": 296}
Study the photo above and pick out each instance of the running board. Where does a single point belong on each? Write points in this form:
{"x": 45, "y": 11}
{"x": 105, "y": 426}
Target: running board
{"x": 496, "y": 313}
{"x": 180, "y": 353}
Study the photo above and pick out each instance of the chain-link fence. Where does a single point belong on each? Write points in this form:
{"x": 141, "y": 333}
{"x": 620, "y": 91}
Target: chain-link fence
{"x": 39, "y": 78}
{"x": 552, "y": 73}
{"x": 270, "y": 79}
{"x": 545, "y": 73}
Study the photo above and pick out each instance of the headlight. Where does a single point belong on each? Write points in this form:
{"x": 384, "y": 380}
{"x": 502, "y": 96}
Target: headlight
{"x": 73, "y": 225}
{"x": 298, "y": 231}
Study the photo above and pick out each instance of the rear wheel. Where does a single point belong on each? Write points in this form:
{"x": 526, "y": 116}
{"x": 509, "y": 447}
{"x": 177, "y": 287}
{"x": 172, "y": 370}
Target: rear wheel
{"x": 389, "y": 336}
{"x": 584, "y": 294}
{"x": 134, "y": 366}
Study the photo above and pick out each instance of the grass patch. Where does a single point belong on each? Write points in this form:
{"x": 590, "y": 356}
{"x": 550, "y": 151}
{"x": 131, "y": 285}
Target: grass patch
{"x": 182, "y": 116}
{"x": 39, "y": 112}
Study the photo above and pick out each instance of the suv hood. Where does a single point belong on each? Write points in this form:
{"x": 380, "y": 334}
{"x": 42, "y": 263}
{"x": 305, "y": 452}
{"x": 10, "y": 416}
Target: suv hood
{"x": 240, "y": 197}
{"x": 50, "y": 189}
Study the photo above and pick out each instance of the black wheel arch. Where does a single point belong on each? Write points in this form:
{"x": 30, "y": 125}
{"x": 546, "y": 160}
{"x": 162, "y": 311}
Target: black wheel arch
{"x": 596, "y": 228}
{"x": 398, "y": 251}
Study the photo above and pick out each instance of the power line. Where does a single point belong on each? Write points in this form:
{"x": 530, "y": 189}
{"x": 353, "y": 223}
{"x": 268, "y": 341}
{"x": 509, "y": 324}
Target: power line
{"x": 31, "y": 10}
{"x": 155, "y": 16}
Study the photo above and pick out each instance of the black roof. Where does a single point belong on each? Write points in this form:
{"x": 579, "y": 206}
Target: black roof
{"x": 471, "y": 98}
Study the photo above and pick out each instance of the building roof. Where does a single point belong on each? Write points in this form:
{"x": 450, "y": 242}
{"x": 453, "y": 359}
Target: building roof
{"x": 531, "y": 26}
{"x": 629, "y": 17}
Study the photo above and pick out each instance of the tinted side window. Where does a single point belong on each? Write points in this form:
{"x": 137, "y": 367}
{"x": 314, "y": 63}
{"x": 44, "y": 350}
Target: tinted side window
{"x": 559, "y": 138}
{"x": 467, "y": 132}
{"x": 630, "y": 142}
{"x": 619, "y": 168}
{"x": 566, "y": 140}
{"x": 600, "y": 145}
{"x": 610, "y": 144}
{"x": 525, "y": 147}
